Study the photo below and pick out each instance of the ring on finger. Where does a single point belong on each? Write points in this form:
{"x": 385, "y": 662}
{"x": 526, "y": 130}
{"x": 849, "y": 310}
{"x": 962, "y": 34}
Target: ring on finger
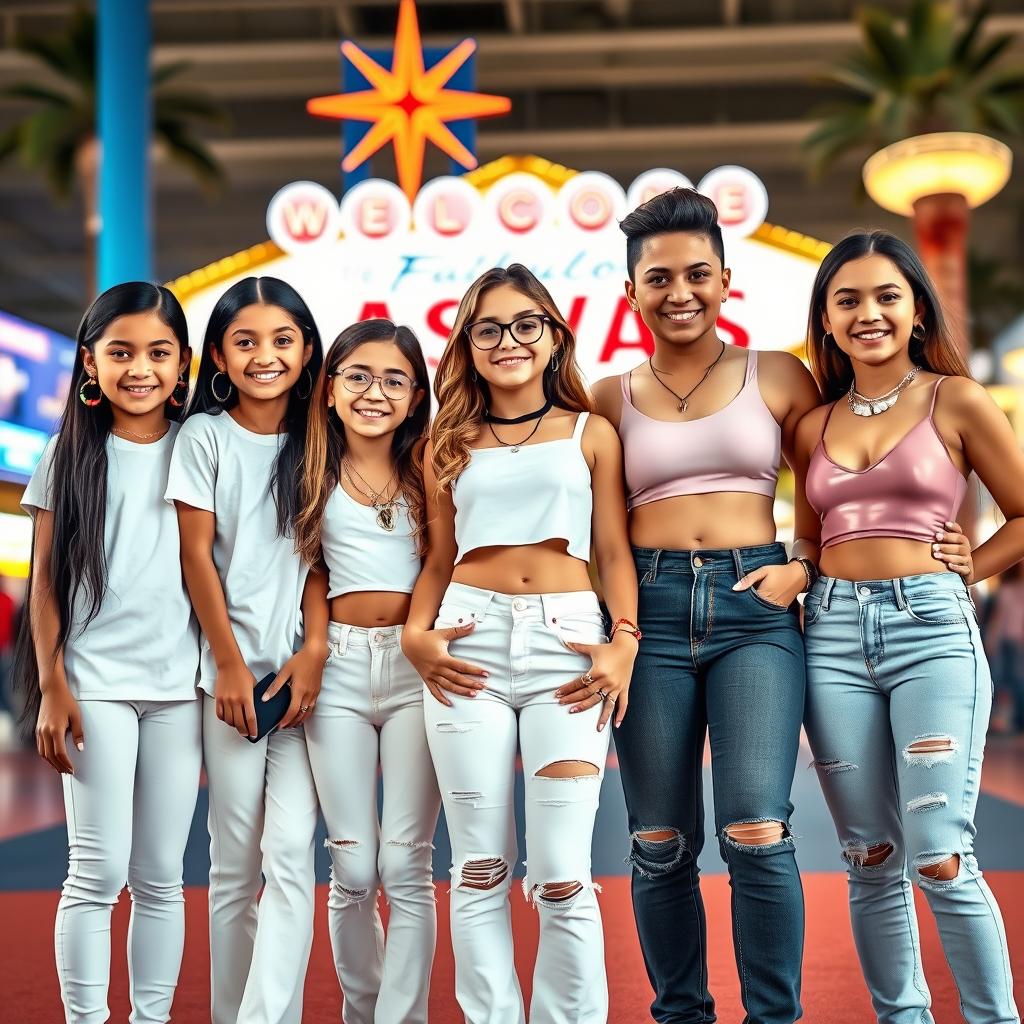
{"x": 303, "y": 709}
{"x": 601, "y": 693}
{"x": 587, "y": 677}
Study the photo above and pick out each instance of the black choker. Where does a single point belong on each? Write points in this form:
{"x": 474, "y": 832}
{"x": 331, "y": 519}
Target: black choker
{"x": 489, "y": 417}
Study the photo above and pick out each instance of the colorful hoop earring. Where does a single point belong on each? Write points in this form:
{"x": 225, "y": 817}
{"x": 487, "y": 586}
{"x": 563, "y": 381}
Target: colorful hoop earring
{"x": 90, "y": 402}
{"x": 213, "y": 387}
{"x": 181, "y": 386}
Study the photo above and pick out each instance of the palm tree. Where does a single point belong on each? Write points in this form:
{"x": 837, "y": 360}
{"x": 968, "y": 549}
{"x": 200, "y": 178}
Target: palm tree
{"x": 912, "y": 77}
{"x": 59, "y": 138}
{"x": 926, "y": 73}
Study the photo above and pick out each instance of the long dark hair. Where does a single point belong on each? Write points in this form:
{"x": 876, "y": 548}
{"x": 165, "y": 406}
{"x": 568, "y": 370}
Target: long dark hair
{"x": 264, "y": 291}
{"x": 325, "y": 439}
{"x": 935, "y": 350}
{"x": 78, "y": 481}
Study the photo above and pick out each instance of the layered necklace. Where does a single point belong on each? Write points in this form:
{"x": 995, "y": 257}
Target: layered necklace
{"x": 386, "y": 508}
{"x": 684, "y": 400}
{"x": 861, "y": 405}
{"x": 513, "y": 447}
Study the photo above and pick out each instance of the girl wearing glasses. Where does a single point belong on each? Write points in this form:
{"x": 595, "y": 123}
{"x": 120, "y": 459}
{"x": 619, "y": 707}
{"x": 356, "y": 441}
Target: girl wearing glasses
{"x": 519, "y": 477}
{"x": 363, "y": 514}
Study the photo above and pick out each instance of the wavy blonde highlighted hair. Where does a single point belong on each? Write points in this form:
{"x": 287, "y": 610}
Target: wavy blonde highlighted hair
{"x": 461, "y": 401}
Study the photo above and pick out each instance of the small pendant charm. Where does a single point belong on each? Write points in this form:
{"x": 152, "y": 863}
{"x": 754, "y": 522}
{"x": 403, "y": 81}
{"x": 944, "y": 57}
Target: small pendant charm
{"x": 386, "y": 517}
{"x": 682, "y": 406}
{"x": 514, "y": 449}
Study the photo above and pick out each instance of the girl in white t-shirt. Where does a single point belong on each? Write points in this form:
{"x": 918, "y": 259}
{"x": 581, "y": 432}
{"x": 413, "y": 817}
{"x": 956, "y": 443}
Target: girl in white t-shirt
{"x": 362, "y": 514}
{"x": 109, "y": 650}
{"x": 234, "y": 480}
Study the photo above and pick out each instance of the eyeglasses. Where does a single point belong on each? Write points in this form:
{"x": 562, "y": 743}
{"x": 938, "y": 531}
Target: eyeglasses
{"x": 487, "y": 334}
{"x": 395, "y": 386}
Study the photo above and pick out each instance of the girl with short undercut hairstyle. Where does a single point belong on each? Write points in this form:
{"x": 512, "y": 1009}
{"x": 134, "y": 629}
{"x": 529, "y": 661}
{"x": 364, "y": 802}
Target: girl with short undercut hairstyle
{"x": 704, "y": 426}
{"x": 108, "y": 650}
{"x": 362, "y": 515}
{"x": 508, "y": 636}
{"x": 235, "y": 482}
{"x": 898, "y": 688}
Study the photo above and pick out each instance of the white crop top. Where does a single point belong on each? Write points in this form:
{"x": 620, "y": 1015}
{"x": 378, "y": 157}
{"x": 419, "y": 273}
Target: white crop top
{"x": 360, "y": 555}
{"x": 536, "y": 492}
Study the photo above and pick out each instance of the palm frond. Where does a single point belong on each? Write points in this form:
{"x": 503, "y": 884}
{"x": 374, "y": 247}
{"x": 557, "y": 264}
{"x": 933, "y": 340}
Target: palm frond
{"x": 879, "y": 29}
{"x": 186, "y": 105}
{"x": 38, "y": 94}
{"x": 184, "y": 148}
{"x": 163, "y": 74}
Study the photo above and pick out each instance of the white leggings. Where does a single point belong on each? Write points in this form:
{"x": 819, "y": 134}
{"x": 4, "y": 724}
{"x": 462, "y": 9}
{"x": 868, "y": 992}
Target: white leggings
{"x": 521, "y": 641}
{"x": 370, "y": 711}
{"x": 129, "y": 807}
{"x": 262, "y": 819}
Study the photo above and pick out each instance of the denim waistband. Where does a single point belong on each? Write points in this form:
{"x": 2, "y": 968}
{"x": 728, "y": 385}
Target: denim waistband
{"x": 828, "y": 589}
{"x": 342, "y": 636}
{"x": 700, "y": 561}
{"x": 479, "y": 602}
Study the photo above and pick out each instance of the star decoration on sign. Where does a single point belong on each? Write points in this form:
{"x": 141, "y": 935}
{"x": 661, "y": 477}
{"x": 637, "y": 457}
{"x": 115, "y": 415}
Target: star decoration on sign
{"x": 408, "y": 105}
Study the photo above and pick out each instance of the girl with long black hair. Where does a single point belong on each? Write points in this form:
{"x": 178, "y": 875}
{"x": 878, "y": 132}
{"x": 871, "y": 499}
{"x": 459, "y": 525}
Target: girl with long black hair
{"x": 363, "y": 514}
{"x": 108, "y": 650}
{"x": 234, "y": 480}
{"x": 898, "y": 688}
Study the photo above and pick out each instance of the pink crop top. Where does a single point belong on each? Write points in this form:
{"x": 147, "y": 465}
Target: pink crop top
{"x": 909, "y": 493}
{"x": 736, "y": 448}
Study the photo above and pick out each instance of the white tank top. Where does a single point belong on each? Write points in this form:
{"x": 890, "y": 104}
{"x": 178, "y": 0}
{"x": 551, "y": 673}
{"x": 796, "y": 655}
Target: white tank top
{"x": 536, "y": 492}
{"x": 360, "y": 554}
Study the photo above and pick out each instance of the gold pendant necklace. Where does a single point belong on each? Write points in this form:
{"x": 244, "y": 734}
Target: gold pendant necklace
{"x": 387, "y": 511}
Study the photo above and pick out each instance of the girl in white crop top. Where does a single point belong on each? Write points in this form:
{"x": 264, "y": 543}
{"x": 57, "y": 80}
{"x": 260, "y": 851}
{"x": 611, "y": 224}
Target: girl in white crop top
{"x": 507, "y": 633}
{"x": 362, "y": 514}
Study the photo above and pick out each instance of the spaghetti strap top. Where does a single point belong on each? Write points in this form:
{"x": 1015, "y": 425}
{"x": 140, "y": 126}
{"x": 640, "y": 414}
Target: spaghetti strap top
{"x": 736, "y": 448}
{"x": 525, "y": 494}
{"x": 909, "y": 493}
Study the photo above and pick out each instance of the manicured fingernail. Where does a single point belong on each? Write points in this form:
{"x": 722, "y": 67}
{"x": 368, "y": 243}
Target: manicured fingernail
{"x": 80, "y": 745}
{"x": 735, "y": 586}
{"x": 473, "y": 693}
{"x": 938, "y": 536}
{"x": 935, "y": 549}
{"x": 600, "y": 727}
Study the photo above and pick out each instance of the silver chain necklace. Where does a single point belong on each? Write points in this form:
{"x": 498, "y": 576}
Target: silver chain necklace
{"x": 861, "y": 405}
{"x": 387, "y": 511}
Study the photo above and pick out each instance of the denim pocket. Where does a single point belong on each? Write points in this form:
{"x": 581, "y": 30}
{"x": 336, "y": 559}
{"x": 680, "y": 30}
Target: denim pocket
{"x": 765, "y": 603}
{"x": 812, "y": 609}
{"x": 578, "y": 628}
{"x": 454, "y": 615}
{"x": 934, "y": 608}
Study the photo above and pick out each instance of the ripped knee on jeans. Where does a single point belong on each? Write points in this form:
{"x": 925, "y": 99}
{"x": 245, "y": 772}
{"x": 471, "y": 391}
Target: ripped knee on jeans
{"x": 483, "y": 873}
{"x": 656, "y": 851}
{"x": 756, "y": 833}
{"x": 859, "y": 854}
{"x": 938, "y": 869}
{"x": 568, "y": 770}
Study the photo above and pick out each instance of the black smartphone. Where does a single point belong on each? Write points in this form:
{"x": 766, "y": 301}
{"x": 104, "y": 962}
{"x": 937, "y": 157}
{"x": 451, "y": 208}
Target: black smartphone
{"x": 269, "y": 713}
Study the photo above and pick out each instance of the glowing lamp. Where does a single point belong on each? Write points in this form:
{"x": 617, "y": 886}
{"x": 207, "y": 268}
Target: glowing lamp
{"x": 941, "y": 163}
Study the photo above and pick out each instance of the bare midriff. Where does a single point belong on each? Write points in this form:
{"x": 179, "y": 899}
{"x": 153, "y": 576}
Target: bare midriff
{"x": 878, "y": 558}
{"x": 544, "y": 568}
{"x": 369, "y": 608}
{"x": 723, "y": 519}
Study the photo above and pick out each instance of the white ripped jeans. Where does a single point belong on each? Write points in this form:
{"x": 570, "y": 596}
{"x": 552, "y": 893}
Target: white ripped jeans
{"x": 370, "y": 712}
{"x": 262, "y": 819}
{"x": 129, "y": 807}
{"x": 521, "y": 641}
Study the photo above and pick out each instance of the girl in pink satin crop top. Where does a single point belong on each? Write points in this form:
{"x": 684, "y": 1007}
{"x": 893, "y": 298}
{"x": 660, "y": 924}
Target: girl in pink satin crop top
{"x": 911, "y": 492}
{"x": 736, "y": 448}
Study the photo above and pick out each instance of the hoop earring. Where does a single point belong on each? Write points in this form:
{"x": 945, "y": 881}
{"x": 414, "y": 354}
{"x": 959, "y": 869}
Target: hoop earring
{"x": 918, "y": 332}
{"x": 90, "y": 402}
{"x": 181, "y": 386}
{"x": 827, "y": 339}
{"x": 213, "y": 387}
{"x": 309, "y": 390}
{"x": 554, "y": 362}
{"x": 473, "y": 374}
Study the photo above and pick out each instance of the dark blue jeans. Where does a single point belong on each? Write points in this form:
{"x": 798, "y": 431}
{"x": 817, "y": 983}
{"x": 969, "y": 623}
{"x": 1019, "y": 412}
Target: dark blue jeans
{"x": 728, "y": 664}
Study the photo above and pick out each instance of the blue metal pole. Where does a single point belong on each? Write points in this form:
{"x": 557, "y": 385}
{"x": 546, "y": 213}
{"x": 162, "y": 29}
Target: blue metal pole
{"x": 124, "y": 116}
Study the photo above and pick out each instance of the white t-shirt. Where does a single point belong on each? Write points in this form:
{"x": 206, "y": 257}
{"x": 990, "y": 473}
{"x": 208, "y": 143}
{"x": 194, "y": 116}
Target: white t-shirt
{"x": 223, "y": 468}
{"x": 144, "y": 642}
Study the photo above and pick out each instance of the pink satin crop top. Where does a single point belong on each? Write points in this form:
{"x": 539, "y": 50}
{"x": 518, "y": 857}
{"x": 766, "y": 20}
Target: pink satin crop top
{"x": 736, "y": 448}
{"x": 909, "y": 493}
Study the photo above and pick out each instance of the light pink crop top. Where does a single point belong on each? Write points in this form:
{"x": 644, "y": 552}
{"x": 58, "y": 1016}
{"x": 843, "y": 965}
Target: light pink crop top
{"x": 909, "y": 493}
{"x": 736, "y": 448}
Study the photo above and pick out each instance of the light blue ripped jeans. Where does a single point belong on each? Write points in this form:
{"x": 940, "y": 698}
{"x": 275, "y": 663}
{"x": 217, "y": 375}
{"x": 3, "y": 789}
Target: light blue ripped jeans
{"x": 898, "y": 700}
